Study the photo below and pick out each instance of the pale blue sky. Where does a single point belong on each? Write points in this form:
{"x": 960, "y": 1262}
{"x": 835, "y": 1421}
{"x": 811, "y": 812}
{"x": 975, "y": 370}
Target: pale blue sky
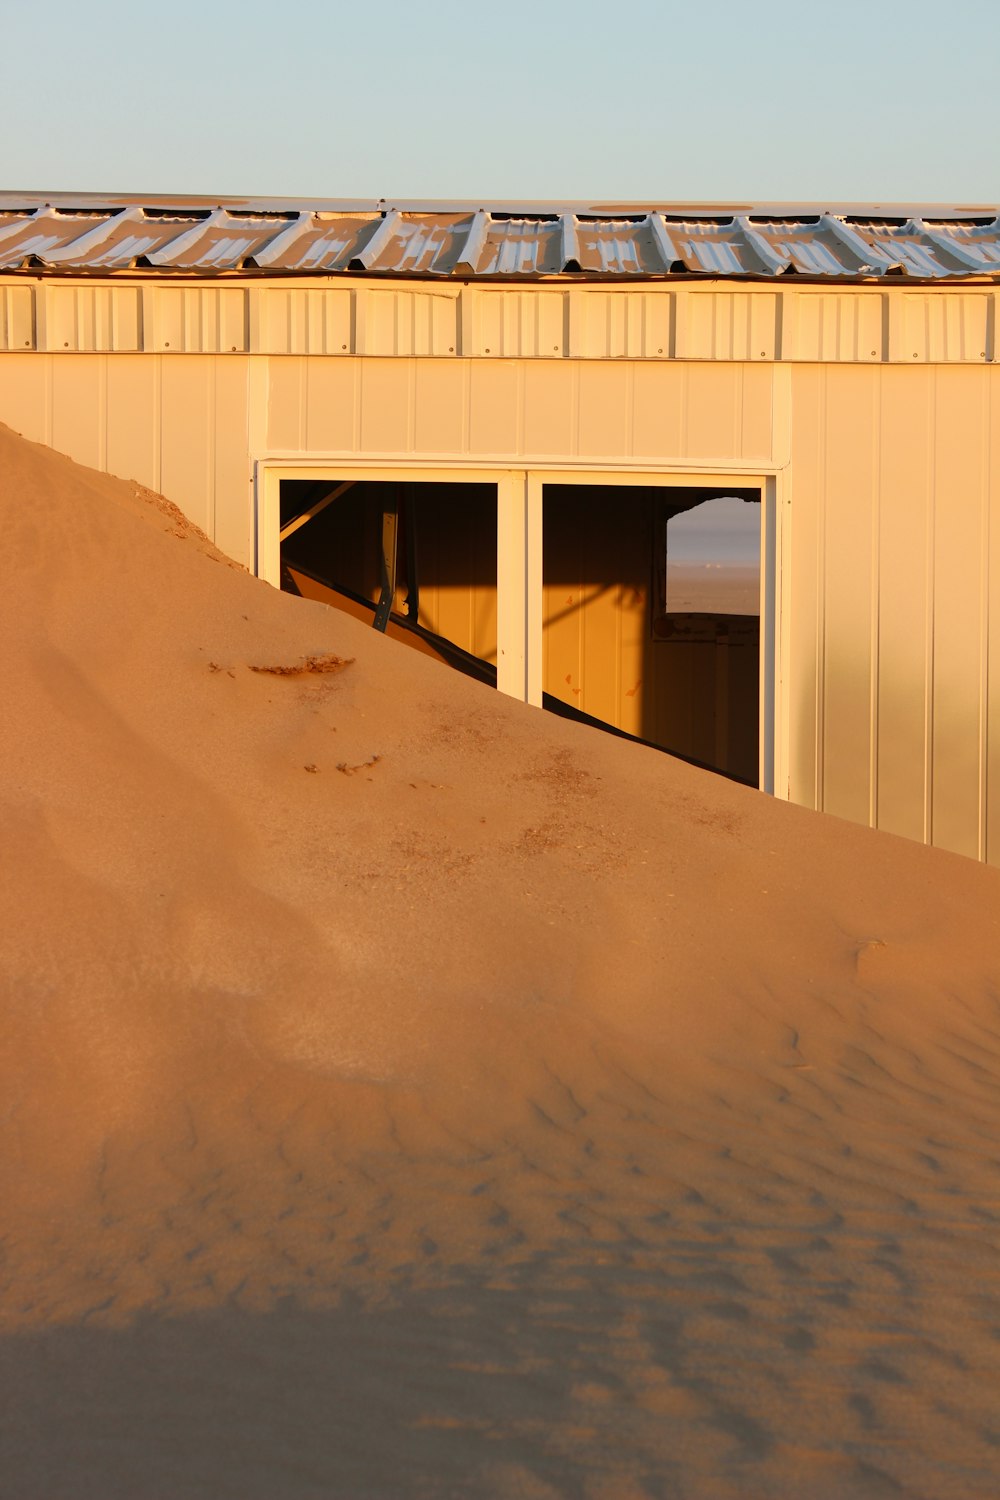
{"x": 724, "y": 530}
{"x": 844, "y": 101}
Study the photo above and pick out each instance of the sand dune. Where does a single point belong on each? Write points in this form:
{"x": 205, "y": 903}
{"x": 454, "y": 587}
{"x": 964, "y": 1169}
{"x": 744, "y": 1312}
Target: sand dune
{"x": 407, "y": 1093}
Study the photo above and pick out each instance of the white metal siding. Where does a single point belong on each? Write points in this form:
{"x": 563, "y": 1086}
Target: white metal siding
{"x": 895, "y": 626}
{"x": 889, "y": 462}
{"x": 713, "y": 321}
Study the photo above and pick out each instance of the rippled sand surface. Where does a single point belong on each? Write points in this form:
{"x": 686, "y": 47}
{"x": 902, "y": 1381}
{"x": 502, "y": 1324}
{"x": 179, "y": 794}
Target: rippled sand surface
{"x": 405, "y": 1093}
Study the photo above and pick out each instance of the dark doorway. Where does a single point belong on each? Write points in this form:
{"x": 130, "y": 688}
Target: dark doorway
{"x": 651, "y": 616}
{"x": 417, "y": 560}
{"x": 651, "y": 595}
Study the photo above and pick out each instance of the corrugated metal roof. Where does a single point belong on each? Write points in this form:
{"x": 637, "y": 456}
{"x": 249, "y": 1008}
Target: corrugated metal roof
{"x": 103, "y": 234}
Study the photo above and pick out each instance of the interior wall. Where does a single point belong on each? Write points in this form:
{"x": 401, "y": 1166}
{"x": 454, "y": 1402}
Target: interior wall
{"x": 697, "y": 698}
{"x": 456, "y": 544}
{"x": 454, "y": 534}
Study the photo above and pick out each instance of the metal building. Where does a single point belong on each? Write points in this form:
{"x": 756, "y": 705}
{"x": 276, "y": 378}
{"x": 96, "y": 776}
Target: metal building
{"x": 723, "y": 478}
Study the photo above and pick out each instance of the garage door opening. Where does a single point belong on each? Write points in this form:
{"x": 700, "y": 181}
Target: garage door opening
{"x": 651, "y": 616}
{"x": 416, "y": 560}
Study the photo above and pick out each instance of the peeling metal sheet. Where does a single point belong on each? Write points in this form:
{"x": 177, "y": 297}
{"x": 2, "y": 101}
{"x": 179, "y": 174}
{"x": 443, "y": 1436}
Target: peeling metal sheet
{"x": 521, "y": 247}
{"x": 313, "y": 241}
{"x": 84, "y": 233}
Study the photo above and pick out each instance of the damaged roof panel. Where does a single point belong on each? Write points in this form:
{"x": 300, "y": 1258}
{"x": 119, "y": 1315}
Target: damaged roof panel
{"x": 85, "y": 233}
{"x": 317, "y": 241}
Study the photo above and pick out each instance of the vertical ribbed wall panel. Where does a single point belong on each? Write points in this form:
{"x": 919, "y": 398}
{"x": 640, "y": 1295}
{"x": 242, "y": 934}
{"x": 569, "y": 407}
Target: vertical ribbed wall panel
{"x": 78, "y": 407}
{"x": 606, "y": 411}
{"x": 905, "y": 618}
{"x": 331, "y": 404}
{"x": 894, "y": 683}
{"x": 658, "y": 407}
{"x": 832, "y": 326}
{"x": 763, "y": 403}
{"x": 17, "y": 317}
{"x": 89, "y": 318}
{"x": 387, "y": 411}
{"x": 297, "y": 320}
{"x": 991, "y": 676}
{"x": 288, "y": 404}
{"x": 230, "y": 469}
{"x": 806, "y": 658}
{"x": 620, "y": 325}
{"x": 25, "y": 396}
{"x": 209, "y": 320}
{"x": 953, "y": 329}
{"x": 188, "y": 435}
{"x": 711, "y": 322}
{"x": 177, "y": 425}
{"x": 494, "y": 418}
{"x": 958, "y": 712}
{"x": 603, "y": 413}
{"x": 440, "y": 406}
{"x": 410, "y": 322}
{"x": 850, "y": 481}
{"x": 726, "y": 325}
{"x": 516, "y": 324}
{"x": 549, "y": 412}
{"x": 133, "y": 419}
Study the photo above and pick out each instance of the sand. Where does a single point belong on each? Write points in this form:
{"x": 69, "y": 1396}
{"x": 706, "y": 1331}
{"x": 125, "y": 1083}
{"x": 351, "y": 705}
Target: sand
{"x": 713, "y": 589}
{"x": 407, "y": 1093}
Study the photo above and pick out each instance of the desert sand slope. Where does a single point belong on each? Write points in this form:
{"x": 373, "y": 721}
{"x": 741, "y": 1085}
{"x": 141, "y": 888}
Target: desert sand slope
{"x": 406, "y": 1093}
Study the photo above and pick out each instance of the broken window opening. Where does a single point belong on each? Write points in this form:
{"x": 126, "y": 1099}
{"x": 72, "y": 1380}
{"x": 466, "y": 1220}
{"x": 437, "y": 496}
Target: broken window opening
{"x": 706, "y": 564}
{"x": 415, "y": 559}
{"x": 651, "y": 617}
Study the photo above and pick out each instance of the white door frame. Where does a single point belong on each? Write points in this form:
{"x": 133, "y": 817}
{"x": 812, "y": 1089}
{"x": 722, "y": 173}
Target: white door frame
{"x": 519, "y": 560}
{"x": 519, "y": 487}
